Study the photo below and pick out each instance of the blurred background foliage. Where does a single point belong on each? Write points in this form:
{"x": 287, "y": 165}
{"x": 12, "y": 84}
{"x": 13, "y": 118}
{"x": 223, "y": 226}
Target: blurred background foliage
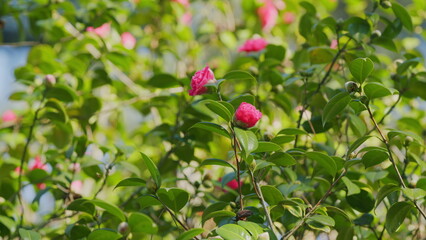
{"x": 109, "y": 102}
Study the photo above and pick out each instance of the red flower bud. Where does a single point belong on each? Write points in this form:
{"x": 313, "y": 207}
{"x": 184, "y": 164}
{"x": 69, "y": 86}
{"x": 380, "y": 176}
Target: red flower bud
{"x": 246, "y": 115}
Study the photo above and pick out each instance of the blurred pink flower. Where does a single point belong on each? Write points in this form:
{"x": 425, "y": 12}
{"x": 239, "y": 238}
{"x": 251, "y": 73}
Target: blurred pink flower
{"x": 37, "y": 164}
{"x": 9, "y": 116}
{"x": 183, "y": 2}
{"x": 77, "y": 186}
{"x": 246, "y": 115}
{"x": 41, "y": 186}
{"x": 233, "y": 184}
{"x": 200, "y": 79}
{"x": 289, "y": 17}
{"x": 333, "y": 44}
{"x": 128, "y": 40}
{"x": 75, "y": 167}
{"x": 268, "y": 14}
{"x": 101, "y": 31}
{"x": 186, "y": 18}
{"x": 253, "y": 45}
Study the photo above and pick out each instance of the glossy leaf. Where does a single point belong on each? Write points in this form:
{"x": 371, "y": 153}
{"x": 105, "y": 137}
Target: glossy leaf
{"x": 128, "y": 182}
{"x": 376, "y": 90}
{"x": 233, "y": 232}
{"x": 114, "y": 210}
{"x": 103, "y": 234}
{"x": 282, "y": 159}
{"x": 141, "y": 223}
{"x": 212, "y": 127}
{"x": 247, "y": 139}
{"x": 335, "y": 106}
{"x": 220, "y": 110}
{"x": 385, "y": 191}
{"x": 217, "y": 162}
{"x": 190, "y": 234}
{"x": 267, "y": 147}
{"x": 396, "y": 215}
{"x": 272, "y": 195}
{"x": 153, "y": 170}
{"x": 361, "y": 68}
{"x": 374, "y": 157}
{"x": 402, "y": 14}
{"x": 352, "y": 187}
{"x": 174, "y": 198}
{"x": 324, "y": 161}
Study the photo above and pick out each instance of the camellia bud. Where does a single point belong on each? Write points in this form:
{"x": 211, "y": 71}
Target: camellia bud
{"x": 50, "y": 80}
{"x": 385, "y": 4}
{"x": 246, "y": 115}
{"x": 151, "y": 186}
{"x": 351, "y": 86}
{"x": 123, "y": 228}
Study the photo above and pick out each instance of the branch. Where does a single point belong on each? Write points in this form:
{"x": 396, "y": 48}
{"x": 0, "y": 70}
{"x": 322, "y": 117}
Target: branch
{"x": 238, "y": 169}
{"x": 24, "y": 156}
{"x": 314, "y": 208}
{"x": 263, "y": 202}
{"x": 385, "y": 141}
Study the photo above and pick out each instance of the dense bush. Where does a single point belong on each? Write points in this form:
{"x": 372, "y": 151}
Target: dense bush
{"x": 205, "y": 119}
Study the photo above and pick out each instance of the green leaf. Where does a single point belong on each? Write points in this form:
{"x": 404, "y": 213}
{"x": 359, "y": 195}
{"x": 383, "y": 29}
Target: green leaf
{"x": 217, "y": 206}
{"x": 190, "y": 234}
{"x": 326, "y": 162}
{"x": 8, "y": 223}
{"x": 374, "y": 157}
{"x": 417, "y": 138}
{"x": 352, "y": 187}
{"x": 212, "y": 127}
{"x": 220, "y": 110}
{"x": 218, "y": 162}
{"x": 114, "y": 210}
{"x": 402, "y": 14}
{"x": 173, "y": 198}
{"x": 362, "y": 202}
{"x": 233, "y": 232}
{"x": 267, "y": 147}
{"x": 152, "y": 168}
{"x": 361, "y": 68}
{"x": 163, "y": 81}
{"x": 385, "y": 191}
{"x": 396, "y": 215}
{"x": 29, "y": 234}
{"x": 320, "y": 55}
{"x": 414, "y": 193}
{"x": 356, "y": 144}
{"x": 79, "y": 232}
{"x": 37, "y": 176}
{"x": 254, "y": 228}
{"x": 239, "y": 75}
{"x": 103, "y": 234}
{"x": 323, "y": 219}
{"x": 147, "y": 201}
{"x": 283, "y": 139}
{"x": 272, "y": 195}
{"x": 236, "y": 102}
{"x": 335, "y": 106}
{"x": 376, "y": 90}
{"x": 61, "y": 92}
{"x": 292, "y": 131}
{"x": 220, "y": 213}
{"x": 82, "y": 205}
{"x": 281, "y": 159}
{"x": 275, "y": 52}
{"x": 129, "y": 182}
{"x": 141, "y": 223}
{"x": 247, "y": 139}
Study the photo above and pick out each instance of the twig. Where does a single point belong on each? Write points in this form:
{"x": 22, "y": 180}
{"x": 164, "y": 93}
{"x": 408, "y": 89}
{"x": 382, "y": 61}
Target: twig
{"x": 322, "y": 82}
{"x": 24, "y": 156}
{"x": 238, "y": 169}
{"x": 314, "y": 208}
{"x": 385, "y": 141}
{"x": 262, "y": 201}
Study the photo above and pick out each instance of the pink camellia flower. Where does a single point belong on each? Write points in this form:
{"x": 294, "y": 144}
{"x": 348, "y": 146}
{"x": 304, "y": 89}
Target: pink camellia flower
{"x": 186, "y": 18}
{"x": 9, "y": 116}
{"x": 101, "y": 31}
{"x": 128, "y": 40}
{"x": 233, "y": 184}
{"x": 183, "y": 2}
{"x": 333, "y": 44}
{"x": 289, "y": 17}
{"x": 77, "y": 186}
{"x": 268, "y": 14}
{"x": 38, "y": 164}
{"x": 246, "y": 115}
{"x": 253, "y": 45}
{"x": 200, "y": 79}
